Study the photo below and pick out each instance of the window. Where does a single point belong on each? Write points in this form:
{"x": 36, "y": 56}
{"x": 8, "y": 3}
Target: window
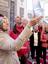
{"x": 21, "y": 12}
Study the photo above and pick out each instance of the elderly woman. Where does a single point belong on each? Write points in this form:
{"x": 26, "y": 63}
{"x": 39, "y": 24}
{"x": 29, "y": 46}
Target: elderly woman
{"x": 8, "y": 46}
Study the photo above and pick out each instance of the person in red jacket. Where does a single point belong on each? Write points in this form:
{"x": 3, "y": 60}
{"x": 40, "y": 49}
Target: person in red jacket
{"x": 17, "y": 29}
{"x": 44, "y": 40}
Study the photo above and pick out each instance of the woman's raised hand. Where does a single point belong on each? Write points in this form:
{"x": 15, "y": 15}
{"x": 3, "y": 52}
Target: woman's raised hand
{"x": 35, "y": 20}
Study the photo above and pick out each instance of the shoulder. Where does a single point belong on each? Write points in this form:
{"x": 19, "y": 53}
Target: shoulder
{"x": 5, "y": 37}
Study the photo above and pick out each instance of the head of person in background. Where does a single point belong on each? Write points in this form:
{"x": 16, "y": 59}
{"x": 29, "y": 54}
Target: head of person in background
{"x": 18, "y": 21}
{"x": 35, "y": 28}
{"x": 18, "y": 25}
{"x": 24, "y": 22}
{"x": 4, "y": 24}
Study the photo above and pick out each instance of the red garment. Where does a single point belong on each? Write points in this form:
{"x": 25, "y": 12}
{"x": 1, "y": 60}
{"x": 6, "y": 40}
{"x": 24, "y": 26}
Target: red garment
{"x": 19, "y": 28}
{"x": 13, "y": 35}
{"x": 25, "y": 48}
{"x": 44, "y": 39}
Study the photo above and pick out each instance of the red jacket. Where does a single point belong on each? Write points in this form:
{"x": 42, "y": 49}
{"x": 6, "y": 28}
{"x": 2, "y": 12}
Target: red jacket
{"x": 24, "y": 49}
{"x": 44, "y": 39}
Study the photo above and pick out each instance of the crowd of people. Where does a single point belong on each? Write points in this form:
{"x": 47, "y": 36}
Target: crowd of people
{"x": 13, "y": 42}
{"x": 38, "y": 40}
{"x": 25, "y": 37}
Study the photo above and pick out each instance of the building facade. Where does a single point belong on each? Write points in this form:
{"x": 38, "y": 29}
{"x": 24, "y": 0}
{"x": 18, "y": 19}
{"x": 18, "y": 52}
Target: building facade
{"x": 21, "y": 8}
{"x": 5, "y": 7}
{"x": 13, "y": 8}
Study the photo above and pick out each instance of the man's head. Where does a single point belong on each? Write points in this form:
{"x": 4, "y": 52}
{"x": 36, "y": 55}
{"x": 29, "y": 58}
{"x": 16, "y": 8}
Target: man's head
{"x": 18, "y": 20}
{"x": 36, "y": 28}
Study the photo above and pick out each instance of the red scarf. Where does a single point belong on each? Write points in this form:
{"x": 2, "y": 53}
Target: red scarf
{"x": 19, "y": 29}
